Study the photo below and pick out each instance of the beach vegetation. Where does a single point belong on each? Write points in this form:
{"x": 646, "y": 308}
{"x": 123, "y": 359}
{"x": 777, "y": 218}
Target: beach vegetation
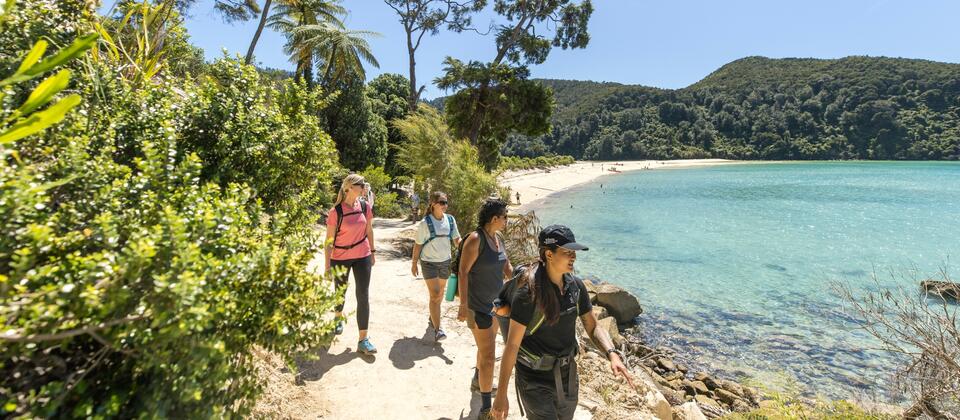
{"x": 437, "y": 160}
{"x": 511, "y": 163}
{"x": 918, "y": 327}
{"x": 154, "y": 230}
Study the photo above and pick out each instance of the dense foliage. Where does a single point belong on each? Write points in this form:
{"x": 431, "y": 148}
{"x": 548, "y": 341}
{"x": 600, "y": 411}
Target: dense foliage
{"x": 387, "y": 203}
{"x": 437, "y": 161}
{"x": 136, "y": 276}
{"x": 759, "y": 108}
{"x": 360, "y": 134}
{"x": 388, "y": 94}
{"x": 510, "y": 163}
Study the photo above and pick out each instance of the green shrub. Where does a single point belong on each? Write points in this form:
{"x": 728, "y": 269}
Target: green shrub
{"x": 133, "y": 286}
{"x": 387, "y": 203}
{"x": 439, "y": 162}
{"x": 513, "y": 163}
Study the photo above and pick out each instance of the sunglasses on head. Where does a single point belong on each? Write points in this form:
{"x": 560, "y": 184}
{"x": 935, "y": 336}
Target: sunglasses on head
{"x": 359, "y": 184}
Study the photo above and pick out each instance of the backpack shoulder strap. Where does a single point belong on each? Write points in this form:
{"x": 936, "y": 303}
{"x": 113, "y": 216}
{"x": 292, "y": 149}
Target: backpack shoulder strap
{"x": 433, "y": 230}
{"x": 339, "y": 210}
{"x": 363, "y": 207}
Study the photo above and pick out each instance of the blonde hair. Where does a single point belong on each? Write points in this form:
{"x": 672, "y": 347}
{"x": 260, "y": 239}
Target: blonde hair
{"x": 345, "y": 187}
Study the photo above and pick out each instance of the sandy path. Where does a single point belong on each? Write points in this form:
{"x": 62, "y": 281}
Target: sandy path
{"x": 535, "y": 184}
{"x": 410, "y": 377}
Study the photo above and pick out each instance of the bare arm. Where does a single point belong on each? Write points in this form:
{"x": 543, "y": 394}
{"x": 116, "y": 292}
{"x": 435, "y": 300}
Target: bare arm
{"x": 373, "y": 257}
{"x": 507, "y": 268}
{"x": 416, "y": 258}
{"x": 602, "y": 340}
{"x": 468, "y": 256}
{"x": 328, "y": 248}
{"x": 501, "y": 405}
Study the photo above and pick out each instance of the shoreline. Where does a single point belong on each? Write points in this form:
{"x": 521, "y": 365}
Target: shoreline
{"x": 534, "y": 185}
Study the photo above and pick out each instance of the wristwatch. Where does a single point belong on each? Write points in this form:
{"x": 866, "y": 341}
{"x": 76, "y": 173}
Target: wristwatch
{"x": 623, "y": 358}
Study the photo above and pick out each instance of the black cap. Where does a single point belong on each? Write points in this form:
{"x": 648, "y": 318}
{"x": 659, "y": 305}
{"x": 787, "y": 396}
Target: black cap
{"x": 560, "y": 235}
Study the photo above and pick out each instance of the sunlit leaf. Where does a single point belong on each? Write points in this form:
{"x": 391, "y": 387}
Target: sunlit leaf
{"x": 45, "y": 91}
{"x": 40, "y": 120}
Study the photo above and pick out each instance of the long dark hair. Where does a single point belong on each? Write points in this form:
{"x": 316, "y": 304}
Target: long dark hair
{"x": 489, "y": 209}
{"x": 539, "y": 288}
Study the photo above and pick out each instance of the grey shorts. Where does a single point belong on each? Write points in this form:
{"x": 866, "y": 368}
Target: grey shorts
{"x": 435, "y": 270}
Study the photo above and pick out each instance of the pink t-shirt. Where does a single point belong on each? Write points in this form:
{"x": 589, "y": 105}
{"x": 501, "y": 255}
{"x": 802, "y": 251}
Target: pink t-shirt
{"x": 352, "y": 230}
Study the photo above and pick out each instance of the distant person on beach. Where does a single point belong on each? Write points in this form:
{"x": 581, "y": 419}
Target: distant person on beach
{"x": 350, "y": 245}
{"x": 542, "y": 342}
{"x": 518, "y": 198}
{"x": 432, "y": 249}
{"x": 415, "y": 205}
{"x": 483, "y": 268}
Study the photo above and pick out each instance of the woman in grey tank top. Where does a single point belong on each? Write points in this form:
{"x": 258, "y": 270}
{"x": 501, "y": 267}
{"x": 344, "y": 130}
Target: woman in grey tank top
{"x": 483, "y": 268}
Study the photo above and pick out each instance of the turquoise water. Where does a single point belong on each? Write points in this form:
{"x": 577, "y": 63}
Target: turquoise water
{"x": 733, "y": 264}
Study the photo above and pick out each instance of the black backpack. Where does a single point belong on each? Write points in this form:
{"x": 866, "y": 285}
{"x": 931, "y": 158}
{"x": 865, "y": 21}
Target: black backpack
{"x": 455, "y": 259}
{"x": 340, "y": 216}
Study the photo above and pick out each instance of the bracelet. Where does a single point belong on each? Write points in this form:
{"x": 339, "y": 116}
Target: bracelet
{"x": 623, "y": 358}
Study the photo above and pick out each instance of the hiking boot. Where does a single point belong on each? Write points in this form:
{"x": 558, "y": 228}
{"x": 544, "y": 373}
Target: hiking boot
{"x": 485, "y": 415}
{"x": 339, "y": 328}
{"x": 439, "y": 335}
{"x": 366, "y": 347}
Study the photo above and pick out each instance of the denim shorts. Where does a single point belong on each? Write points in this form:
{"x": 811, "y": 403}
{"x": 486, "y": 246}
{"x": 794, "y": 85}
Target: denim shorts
{"x": 435, "y": 270}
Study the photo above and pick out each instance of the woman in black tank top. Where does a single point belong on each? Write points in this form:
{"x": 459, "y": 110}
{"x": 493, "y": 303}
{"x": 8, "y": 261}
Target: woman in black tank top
{"x": 483, "y": 268}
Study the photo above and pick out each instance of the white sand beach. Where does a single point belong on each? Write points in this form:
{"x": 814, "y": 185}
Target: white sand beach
{"x": 535, "y": 184}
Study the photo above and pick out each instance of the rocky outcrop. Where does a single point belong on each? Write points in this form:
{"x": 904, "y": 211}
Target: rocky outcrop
{"x": 944, "y": 289}
{"x": 619, "y": 303}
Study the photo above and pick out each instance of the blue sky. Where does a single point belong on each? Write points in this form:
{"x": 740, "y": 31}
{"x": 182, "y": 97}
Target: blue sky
{"x": 667, "y": 44}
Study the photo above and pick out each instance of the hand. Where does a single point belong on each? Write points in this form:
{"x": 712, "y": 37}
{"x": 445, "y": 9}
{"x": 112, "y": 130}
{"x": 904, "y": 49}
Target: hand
{"x": 500, "y": 406}
{"x": 326, "y": 267}
{"x": 616, "y": 365}
{"x": 414, "y": 269}
{"x": 373, "y": 259}
{"x": 462, "y": 313}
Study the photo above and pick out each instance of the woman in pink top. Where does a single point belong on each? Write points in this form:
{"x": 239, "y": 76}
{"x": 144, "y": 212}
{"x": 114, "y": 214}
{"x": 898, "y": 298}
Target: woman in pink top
{"x": 349, "y": 245}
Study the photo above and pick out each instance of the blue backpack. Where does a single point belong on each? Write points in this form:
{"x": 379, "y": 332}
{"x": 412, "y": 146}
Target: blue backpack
{"x": 433, "y": 230}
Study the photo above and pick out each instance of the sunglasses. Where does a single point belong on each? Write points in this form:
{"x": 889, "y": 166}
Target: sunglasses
{"x": 442, "y": 203}
{"x": 358, "y": 184}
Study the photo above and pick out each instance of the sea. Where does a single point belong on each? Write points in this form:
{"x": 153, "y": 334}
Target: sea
{"x": 736, "y": 265}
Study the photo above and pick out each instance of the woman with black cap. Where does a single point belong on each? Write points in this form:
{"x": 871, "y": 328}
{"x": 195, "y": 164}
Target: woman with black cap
{"x": 542, "y": 340}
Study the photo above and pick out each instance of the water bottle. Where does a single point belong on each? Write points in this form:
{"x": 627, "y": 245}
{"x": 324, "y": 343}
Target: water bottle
{"x": 451, "y": 287}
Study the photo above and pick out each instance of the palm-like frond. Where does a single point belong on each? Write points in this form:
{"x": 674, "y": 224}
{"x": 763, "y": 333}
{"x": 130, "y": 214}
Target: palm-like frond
{"x": 343, "y": 51}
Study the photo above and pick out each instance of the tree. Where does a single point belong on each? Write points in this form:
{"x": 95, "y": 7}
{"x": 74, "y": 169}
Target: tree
{"x": 359, "y": 133}
{"x": 293, "y": 14}
{"x": 520, "y": 42}
{"x": 420, "y": 17}
{"x": 503, "y": 96}
{"x": 256, "y": 35}
{"x": 388, "y": 97}
{"x": 342, "y": 51}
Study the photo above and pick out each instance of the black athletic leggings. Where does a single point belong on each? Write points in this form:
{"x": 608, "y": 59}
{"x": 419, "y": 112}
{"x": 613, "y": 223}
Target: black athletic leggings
{"x": 361, "y": 275}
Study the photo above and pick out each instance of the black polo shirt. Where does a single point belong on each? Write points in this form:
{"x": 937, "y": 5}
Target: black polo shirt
{"x": 561, "y": 338}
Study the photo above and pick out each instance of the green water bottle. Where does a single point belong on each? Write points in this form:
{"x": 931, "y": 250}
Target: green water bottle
{"x": 451, "y": 287}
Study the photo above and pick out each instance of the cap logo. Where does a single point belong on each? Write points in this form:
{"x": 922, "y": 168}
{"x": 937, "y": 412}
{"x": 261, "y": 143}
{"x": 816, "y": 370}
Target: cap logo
{"x": 549, "y": 241}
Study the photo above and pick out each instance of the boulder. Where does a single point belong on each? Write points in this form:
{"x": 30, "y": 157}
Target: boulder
{"x": 591, "y": 290}
{"x": 650, "y": 363}
{"x": 695, "y": 388}
{"x": 674, "y": 375}
{"x": 726, "y": 396}
{"x": 741, "y": 406}
{"x": 751, "y": 394}
{"x": 705, "y": 400}
{"x": 609, "y": 325}
{"x": 682, "y": 368}
{"x": 706, "y": 379}
{"x": 666, "y": 364}
{"x": 688, "y": 411}
{"x": 673, "y": 396}
{"x": 945, "y": 289}
{"x": 600, "y": 312}
{"x": 622, "y": 305}
{"x": 732, "y": 387}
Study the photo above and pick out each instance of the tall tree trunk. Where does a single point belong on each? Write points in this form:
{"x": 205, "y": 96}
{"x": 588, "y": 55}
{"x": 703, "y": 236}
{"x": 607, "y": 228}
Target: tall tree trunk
{"x": 414, "y": 94}
{"x": 256, "y": 36}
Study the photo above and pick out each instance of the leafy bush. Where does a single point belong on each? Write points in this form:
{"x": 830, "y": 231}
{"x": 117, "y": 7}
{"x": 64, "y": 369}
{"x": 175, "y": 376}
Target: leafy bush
{"x": 387, "y": 203}
{"x": 512, "y": 163}
{"x": 439, "y": 162}
{"x": 130, "y": 285}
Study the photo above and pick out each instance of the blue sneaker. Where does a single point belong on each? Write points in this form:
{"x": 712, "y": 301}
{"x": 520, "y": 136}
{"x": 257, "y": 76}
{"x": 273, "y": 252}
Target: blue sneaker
{"x": 366, "y": 347}
{"x": 339, "y": 328}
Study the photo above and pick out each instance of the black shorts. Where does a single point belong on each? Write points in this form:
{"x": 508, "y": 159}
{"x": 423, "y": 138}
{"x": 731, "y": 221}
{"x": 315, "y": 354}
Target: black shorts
{"x": 479, "y": 320}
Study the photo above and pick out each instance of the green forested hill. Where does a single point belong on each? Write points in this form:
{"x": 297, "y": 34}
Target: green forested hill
{"x": 760, "y": 108}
